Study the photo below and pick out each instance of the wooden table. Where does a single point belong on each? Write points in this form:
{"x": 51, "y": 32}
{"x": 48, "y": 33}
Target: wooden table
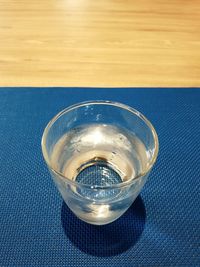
{"x": 100, "y": 43}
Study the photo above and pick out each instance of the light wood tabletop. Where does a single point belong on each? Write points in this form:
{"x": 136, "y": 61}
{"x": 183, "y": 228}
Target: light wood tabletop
{"x": 100, "y": 43}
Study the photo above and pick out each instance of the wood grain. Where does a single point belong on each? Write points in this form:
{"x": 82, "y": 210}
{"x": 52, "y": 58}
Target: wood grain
{"x": 100, "y": 43}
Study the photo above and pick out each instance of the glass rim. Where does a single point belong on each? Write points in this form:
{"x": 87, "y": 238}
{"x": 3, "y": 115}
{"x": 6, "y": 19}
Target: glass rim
{"x": 100, "y": 102}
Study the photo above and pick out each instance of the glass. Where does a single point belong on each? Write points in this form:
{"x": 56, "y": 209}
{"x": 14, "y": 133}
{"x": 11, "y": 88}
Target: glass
{"x": 99, "y": 154}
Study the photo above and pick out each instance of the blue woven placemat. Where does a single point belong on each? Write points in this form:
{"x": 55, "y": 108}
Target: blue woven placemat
{"x": 162, "y": 228}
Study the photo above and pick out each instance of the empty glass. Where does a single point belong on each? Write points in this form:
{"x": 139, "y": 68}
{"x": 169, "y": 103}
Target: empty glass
{"x": 99, "y": 154}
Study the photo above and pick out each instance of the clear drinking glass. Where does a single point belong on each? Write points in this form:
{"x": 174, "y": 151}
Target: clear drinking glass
{"x": 99, "y": 154}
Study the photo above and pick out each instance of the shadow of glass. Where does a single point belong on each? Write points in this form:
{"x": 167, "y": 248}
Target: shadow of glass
{"x": 106, "y": 240}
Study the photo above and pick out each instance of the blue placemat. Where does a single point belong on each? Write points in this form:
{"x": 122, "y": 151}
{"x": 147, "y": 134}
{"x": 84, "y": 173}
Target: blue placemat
{"x": 162, "y": 228}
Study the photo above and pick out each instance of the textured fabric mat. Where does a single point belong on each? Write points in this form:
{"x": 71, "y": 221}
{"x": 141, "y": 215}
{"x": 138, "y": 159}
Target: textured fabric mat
{"x": 162, "y": 228}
